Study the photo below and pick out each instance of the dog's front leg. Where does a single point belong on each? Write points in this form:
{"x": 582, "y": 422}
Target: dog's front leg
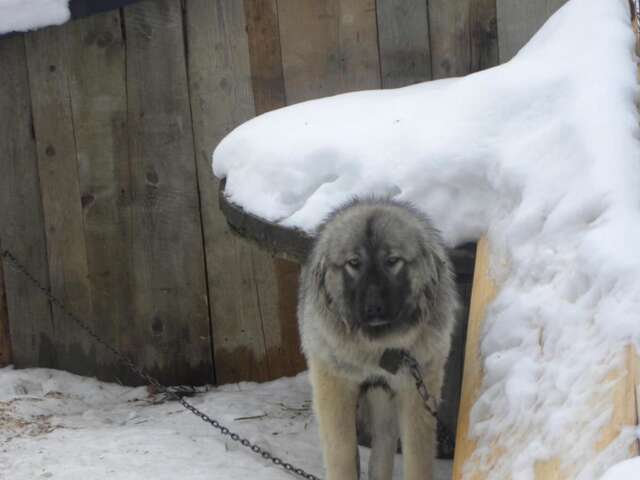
{"x": 335, "y": 401}
{"x": 417, "y": 434}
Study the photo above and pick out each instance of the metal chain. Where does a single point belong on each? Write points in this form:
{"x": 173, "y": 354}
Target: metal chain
{"x": 177, "y": 393}
{"x": 428, "y": 401}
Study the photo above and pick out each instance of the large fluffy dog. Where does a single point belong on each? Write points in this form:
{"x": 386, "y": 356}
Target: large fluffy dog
{"x": 378, "y": 278}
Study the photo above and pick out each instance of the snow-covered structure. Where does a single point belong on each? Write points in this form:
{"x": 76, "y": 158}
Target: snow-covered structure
{"x": 542, "y": 154}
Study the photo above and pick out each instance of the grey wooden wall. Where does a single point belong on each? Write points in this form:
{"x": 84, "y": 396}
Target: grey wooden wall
{"x": 106, "y": 129}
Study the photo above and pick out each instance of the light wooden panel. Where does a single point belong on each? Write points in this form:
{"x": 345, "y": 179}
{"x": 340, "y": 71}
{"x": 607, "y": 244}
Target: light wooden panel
{"x": 328, "y": 47}
{"x": 21, "y": 218}
{"x": 403, "y": 33}
{"x": 97, "y": 89}
{"x": 518, "y": 20}
{"x": 171, "y": 317}
{"x": 622, "y": 397}
{"x": 48, "y": 61}
{"x": 484, "y": 290}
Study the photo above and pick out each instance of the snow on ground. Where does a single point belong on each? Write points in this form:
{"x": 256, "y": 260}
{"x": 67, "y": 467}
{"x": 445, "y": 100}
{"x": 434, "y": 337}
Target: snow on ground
{"x": 61, "y": 426}
{"x": 22, "y": 15}
{"x": 543, "y": 154}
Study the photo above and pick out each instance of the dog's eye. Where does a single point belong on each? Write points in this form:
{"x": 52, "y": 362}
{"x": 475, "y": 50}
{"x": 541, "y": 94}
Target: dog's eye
{"x": 393, "y": 260}
{"x": 354, "y": 262}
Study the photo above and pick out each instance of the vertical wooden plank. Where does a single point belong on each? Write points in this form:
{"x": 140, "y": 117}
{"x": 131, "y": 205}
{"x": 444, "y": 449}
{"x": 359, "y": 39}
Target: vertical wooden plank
{"x": 328, "y": 47}
{"x": 450, "y": 37}
{"x": 462, "y": 36}
{"x": 484, "y": 34}
{"x": 284, "y": 354}
{"x": 21, "y": 219}
{"x": 47, "y": 57}
{"x": 221, "y": 99}
{"x": 99, "y": 112}
{"x": 263, "y": 33}
{"x": 518, "y": 20}
{"x": 451, "y": 389}
{"x": 483, "y": 292}
{"x": 168, "y": 266}
{"x": 5, "y": 337}
{"x": 403, "y": 34}
{"x": 288, "y": 276}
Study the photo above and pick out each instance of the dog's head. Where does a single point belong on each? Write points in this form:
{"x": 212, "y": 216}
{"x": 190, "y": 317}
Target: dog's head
{"x": 377, "y": 266}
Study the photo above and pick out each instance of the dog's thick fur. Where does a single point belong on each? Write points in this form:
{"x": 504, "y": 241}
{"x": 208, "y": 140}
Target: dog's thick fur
{"x": 377, "y": 278}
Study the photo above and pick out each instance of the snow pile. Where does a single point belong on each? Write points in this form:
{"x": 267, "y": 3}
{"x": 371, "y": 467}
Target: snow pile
{"x": 22, "y": 15}
{"x": 542, "y": 153}
{"x": 57, "y": 425}
{"x": 627, "y": 470}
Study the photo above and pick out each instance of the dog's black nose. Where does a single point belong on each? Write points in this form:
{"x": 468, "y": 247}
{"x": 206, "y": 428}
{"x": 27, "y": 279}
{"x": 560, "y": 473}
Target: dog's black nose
{"x": 373, "y": 305}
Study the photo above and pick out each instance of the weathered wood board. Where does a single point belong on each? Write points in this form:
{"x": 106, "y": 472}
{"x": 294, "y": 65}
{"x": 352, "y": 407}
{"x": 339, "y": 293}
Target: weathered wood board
{"x": 221, "y": 99}
{"x": 484, "y": 34}
{"x": 403, "y": 37}
{"x": 21, "y": 218}
{"x": 5, "y": 336}
{"x": 518, "y": 20}
{"x": 463, "y": 36}
{"x": 98, "y": 95}
{"x": 328, "y": 47}
{"x": 49, "y": 71}
{"x": 169, "y": 332}
{"x": 263, "y": 33}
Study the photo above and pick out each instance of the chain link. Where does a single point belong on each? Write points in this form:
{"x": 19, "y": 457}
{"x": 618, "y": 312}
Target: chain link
{"x": 177, "y": 393}
{"x": 428, "y": 401}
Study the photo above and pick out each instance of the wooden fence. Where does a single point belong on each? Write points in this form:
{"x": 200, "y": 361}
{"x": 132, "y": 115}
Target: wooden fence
{"x": 107, "y": 125}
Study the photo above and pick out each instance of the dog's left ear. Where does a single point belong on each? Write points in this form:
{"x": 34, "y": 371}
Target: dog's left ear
{"x": 435, "y": 266}
{"x": 319, "y": 270}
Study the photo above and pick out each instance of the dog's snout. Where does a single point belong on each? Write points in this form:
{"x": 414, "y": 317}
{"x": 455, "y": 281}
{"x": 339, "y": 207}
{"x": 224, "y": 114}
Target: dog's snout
{"x": 373, "y": 304}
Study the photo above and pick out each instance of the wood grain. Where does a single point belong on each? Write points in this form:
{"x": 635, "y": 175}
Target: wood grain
{"x": 97, "y": 89}
{"x": 483, "y": 29}
{"x": 463, "y": 36}
{"x": 483, "y": 292}
{"x": 171, "y": 320}
{"x": 263, "y": 32}
{"x": 21, "y": 218}
{"x": 5, "y": 337}
{"x": 622, "y": 397}
{"x": 339, "y": 52}
{"x": 519, "y": 20}
{"x": 403, "y": 36}
{"x": 450, "y": 37}
{"x": 48, "y": 61}
{"x": 282, "y": 340}
{"x": 222, "y": 98}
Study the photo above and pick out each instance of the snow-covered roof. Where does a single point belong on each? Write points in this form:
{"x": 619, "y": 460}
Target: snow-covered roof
{"x": 22, "y": 15}
{"x": 543, "y": 153}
